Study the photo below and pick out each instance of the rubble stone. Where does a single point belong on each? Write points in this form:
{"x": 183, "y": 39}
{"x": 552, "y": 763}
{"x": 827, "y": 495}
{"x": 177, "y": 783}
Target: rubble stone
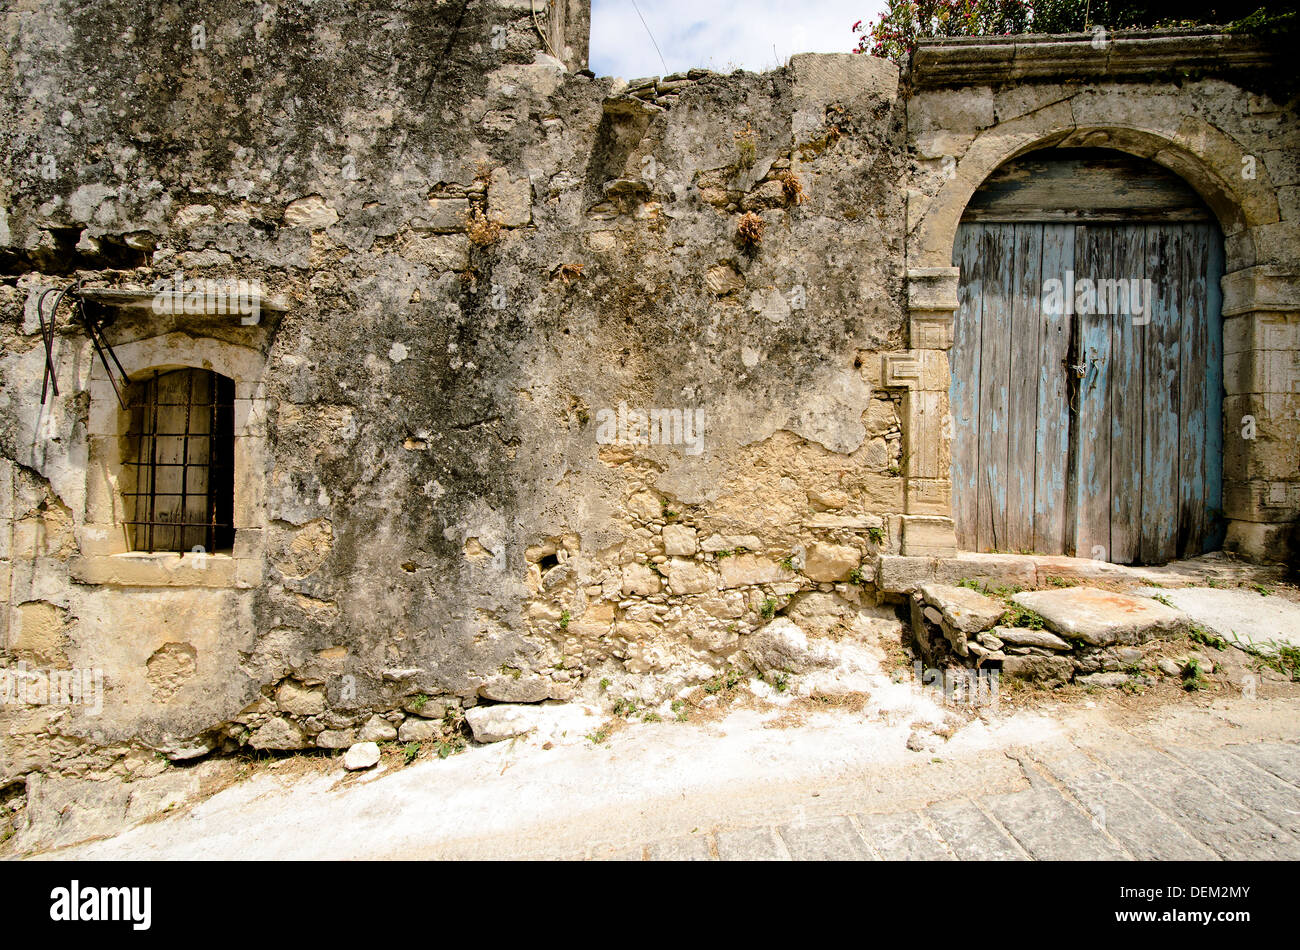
{"x": 782, "y": 647}
{"x": 363, "y": 755}
{"x": 1044, "y": 670}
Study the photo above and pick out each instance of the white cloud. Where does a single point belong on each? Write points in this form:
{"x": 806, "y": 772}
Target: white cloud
{"x": 718, "y": 34}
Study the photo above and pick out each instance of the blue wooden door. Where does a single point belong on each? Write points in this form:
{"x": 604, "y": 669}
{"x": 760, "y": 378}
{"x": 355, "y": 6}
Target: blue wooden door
{"x": 1087, "y": 389}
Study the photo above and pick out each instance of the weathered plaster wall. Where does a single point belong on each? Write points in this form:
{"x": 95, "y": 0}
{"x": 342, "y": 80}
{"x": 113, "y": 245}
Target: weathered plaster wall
{"x": 431, "y": 512}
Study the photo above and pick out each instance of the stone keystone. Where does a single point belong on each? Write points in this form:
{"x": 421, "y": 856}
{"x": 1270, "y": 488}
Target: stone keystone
{"x": 1101, "y": 617}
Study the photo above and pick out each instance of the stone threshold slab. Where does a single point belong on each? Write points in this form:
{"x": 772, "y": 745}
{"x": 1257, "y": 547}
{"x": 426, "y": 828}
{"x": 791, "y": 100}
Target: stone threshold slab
{"x": 900, "y": 575}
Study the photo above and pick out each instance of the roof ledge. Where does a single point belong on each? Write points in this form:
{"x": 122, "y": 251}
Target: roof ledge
{"x": 1138, "y": 55}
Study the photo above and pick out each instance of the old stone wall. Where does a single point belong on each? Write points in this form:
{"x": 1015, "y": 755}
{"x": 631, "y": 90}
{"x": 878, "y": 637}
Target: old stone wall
{"x": 479, "y": 267}
{"x": 480, "y": 257}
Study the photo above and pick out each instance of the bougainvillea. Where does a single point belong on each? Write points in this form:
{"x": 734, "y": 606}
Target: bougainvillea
{"x": 894, "y": 34}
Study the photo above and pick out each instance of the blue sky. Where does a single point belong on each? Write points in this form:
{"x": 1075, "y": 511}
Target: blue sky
{"x": 718, "y": 34}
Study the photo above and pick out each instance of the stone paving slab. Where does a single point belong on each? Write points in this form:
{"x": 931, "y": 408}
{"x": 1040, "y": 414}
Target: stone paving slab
{"x": 683, "y": 848}
{"x": 1113, "y": 800}
{"x": 1280, "y": 758}
{"x": 1261, "y": 621}
{"x": 903, "y": 836}
{"x": 1140, "y": 826}
{"x": 751, "y": 844}
{"x": 1050, "y": 828}
{"x": 1102, "y": 617}
{"x": 1254, "y": 787}
{"x": 972, "y": 835}
{"x": 825, "y": 839}
{"x": 626, "y": 854}
{"x": 1210, "y": 815}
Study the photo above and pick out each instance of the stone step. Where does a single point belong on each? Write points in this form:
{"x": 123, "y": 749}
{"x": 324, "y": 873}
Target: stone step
{"x": 964, "y": 609}
{"x": 1261, "y": 622}
{"x": 956, "y": 613}
{"x": 1101, "y": 617}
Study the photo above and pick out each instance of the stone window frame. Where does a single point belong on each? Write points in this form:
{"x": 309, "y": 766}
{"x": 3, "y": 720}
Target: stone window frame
{"x": 105, "y": 557}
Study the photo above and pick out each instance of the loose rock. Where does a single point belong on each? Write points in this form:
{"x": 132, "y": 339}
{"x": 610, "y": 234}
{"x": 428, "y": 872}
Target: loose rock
{"x": 1024, "y": 637}
{"x": 782, "y": 647}
{"x": 363, "y": 755}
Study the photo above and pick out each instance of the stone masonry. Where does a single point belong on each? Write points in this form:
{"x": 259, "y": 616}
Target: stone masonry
{"x": 556, "y": 378}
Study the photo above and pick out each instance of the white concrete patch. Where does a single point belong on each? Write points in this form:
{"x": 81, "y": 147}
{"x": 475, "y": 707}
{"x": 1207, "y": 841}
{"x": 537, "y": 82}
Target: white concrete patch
{"x": 518, "y": 787}
{"x": 1255, "y": 620}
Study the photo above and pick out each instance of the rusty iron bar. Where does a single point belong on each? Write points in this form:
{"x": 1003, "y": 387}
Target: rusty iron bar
{"x": 47, "y": 338}
{"x": 151, "y": 528}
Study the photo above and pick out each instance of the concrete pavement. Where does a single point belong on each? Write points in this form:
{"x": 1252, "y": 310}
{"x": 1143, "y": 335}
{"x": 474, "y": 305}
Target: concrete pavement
{"x": 1104, "y": 779}
{"x": 1130, "y": 802}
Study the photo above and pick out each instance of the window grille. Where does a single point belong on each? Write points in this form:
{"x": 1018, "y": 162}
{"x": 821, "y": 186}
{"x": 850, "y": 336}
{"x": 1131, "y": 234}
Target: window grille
{"x": 180, "y": 474}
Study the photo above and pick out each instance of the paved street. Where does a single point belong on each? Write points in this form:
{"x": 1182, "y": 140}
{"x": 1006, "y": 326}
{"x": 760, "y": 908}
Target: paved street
{"x": 1101, "y": 780}
{"x": 1138, "y": 802}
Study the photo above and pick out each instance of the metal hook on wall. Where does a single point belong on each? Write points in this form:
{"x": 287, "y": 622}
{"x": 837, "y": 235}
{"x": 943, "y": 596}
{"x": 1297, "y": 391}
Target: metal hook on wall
{"x": 94, "y": 327}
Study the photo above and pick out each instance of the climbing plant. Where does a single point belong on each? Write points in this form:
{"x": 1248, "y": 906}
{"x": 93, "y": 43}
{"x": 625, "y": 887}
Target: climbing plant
{"x": 895, "y": 32}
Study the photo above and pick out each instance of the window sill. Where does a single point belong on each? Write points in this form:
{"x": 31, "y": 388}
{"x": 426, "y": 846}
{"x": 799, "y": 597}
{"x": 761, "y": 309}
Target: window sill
{"x": 140, "y": 569}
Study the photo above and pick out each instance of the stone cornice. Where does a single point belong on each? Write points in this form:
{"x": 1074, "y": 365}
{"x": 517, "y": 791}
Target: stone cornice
{"x": 963, "y": 61}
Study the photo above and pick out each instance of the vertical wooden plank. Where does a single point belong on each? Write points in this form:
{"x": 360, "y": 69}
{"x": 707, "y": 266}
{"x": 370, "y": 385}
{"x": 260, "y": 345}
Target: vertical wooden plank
{"x": 1022, "y": 386}
{"x": 995, "y": 248}
{"x": 1193, "y": 360}
{"x": 1217, "y": 525}
{"x": 1093, "y": 258}
{"x": 1160, "y": 437}
{"x": 963, "y": 392}
{"x": 1127, "y": 336}
{"x": 1052, "y": 432}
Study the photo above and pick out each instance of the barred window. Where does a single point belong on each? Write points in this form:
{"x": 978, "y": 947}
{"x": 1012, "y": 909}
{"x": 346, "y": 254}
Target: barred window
{"x": 179, "y": 484}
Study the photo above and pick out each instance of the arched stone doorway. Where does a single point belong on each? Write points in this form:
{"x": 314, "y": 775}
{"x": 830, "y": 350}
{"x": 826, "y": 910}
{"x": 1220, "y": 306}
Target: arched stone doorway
{"x": 963, "y": 131}
{"x": 1087, "y": 362}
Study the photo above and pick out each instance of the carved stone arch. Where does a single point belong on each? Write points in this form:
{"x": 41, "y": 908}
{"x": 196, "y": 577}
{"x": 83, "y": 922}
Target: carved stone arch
{"x": 1196, "y": 151}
